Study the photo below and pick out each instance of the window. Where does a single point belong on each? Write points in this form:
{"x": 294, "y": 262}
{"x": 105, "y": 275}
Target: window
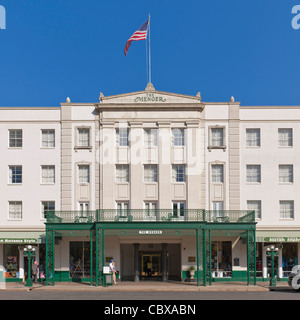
{"x": 122, "y": 173}
{"x": 83, "y": 207}
{"x": 123, "y": 137}
{"x": 253, "y": 137}
{"x": 80, "y": 259}
{"x": 150, "y": 138}
{"x": 150, "y": 173}
{"x": 218, "y": 207}
{"x": 255, "y": 205}
{"x": 84, "y": 174}
{"x": 83, "y": 137}
{"x": 15, "y": 138}
{"x": 217, "y": 137}
{"x": 150, "y": 209}
{"x": 217, "y": 174}
{"x": 47, "y": 206}
{"x": 15, "y": 174}
{"x": 48, "y": 174}
{"x": 178, "y": 173}
{"x": 178, "y": 137}
{"x": 15, "y": 210}
{"x": 122, "y": 209}
{"x": 286, "y": 209}
{"x": 286, "y": 174}
{"x": 150, "y": 206}
{"x": 253, "y": 174}
{"x": 178, "y": 209}
{"x": 285, "y": 137}
{"x": 48, "y": 138}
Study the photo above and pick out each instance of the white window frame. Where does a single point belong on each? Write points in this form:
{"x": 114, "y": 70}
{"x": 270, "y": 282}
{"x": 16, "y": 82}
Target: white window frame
{"x": 150, "y": 173}
{"x": 17, "y": 212}
{"x": 45, "y": 178}
{"x": 178, "y": 207}
{"x": 83, "y": 137}
{"x": 286, "y": 209}
{"x": 83, "y": 207}
{"x": 253, "y": 137}
{"x": 13, "y": 137}
{"x": 285, "y": 137}
{"x": 43, "y": 211}
{"x": 255, "y": 205}
{"x": 178, "y": 171}
{"x": 218, "y": 208}
{"x": 122, "y": 136}
{"x": 122, "y": 173}
{"x": 286, "y": 174}
{"x": 178, "y": 135}
{"x": 122, "y": 208}
{"x": 150, "y": 138}
{"x": 47, "y": 138}
{"x": 150, "y": 205}
{"x": 150, "y": 211}
{"x": 217, "y": 176}
{"x": 13, "y": 175}
{"x": 217, "y": 141}
{"x": 251, "y": 176}
{"x": 83, "y": 173}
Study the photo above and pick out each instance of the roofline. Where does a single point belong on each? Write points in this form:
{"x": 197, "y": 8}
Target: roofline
{"x": 29, "y": 108}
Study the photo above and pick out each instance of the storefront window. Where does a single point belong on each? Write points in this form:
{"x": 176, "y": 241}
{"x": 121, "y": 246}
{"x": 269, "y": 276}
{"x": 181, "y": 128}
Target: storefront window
{"x": 11, "y": 261}
{"x": 289, "y": 258}
{"x": 269, "y": 262}
{"x": 221, "y": 259}
{"x": 79, "y": 259}
{"x": 259, "y": 259}
{"x": 42, "y": 258}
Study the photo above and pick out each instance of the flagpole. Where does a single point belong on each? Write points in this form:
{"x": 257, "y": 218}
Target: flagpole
{"x": 149, "y": 53}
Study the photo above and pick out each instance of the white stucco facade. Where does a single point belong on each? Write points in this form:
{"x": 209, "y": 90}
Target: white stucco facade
{"x": 95, "y": 170}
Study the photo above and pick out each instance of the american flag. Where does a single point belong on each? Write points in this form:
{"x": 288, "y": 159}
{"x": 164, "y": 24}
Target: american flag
{"x": 140, "y": 34}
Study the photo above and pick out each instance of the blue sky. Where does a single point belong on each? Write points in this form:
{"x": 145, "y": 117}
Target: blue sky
{"x": 52, "y": 49}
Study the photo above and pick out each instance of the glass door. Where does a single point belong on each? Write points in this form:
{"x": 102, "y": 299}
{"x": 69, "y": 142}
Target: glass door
{"x": 151, "y": 265}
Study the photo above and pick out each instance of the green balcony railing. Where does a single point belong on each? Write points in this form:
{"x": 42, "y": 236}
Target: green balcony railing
{"x": 144, "y": 215}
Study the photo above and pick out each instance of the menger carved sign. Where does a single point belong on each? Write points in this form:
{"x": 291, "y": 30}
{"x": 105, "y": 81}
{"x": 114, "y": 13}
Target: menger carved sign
{"x": 150, "y": 98}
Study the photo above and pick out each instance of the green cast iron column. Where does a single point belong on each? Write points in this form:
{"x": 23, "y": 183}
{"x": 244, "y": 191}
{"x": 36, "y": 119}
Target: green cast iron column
{"x": 251, "y": 257}
{"x": 91, "y": 257}
{"x": 50, "y": 254}
{"x": 204, "y": 257}
{"x": 197, "y": 249}
{"x": 100, "y": 244}
{"x": 209, "y": 257}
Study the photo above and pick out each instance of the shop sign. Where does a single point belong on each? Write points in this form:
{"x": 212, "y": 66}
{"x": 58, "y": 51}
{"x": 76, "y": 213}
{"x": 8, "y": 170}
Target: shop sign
{"x": 150, "y": 231}
{"x": 282, "y": 239}
{"x": 16, "y": 240}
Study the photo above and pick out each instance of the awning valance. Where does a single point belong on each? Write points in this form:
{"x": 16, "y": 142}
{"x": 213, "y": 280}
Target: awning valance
{"x": 278, "y": 236}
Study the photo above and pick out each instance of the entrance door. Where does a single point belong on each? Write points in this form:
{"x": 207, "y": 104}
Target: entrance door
{"x": 151, "y": 265}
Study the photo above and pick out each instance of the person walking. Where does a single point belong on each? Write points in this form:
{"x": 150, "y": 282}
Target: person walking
{"x": 149, "y": 269}
{"x": 35, "y": 271}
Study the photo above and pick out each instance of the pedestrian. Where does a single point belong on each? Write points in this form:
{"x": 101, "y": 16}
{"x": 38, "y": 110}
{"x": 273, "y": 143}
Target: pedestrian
{"x": 149, "y": 268}
{"x": 35, "y": 271}
{"x": 42, "y": 276}
{"x": 112, "y": 268}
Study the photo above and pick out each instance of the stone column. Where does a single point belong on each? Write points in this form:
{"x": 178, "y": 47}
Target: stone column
{"x": 136, "y": 262}
{"x": 164, "y": 262}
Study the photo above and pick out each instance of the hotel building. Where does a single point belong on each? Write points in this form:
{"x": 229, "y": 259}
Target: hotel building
{"x": 160, "y": 182}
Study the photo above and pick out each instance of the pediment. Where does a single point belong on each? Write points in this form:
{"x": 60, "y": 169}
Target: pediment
{"x": 150, "y": 96}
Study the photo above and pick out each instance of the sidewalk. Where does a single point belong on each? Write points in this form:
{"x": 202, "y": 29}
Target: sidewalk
{"x": 147, "y": 286}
